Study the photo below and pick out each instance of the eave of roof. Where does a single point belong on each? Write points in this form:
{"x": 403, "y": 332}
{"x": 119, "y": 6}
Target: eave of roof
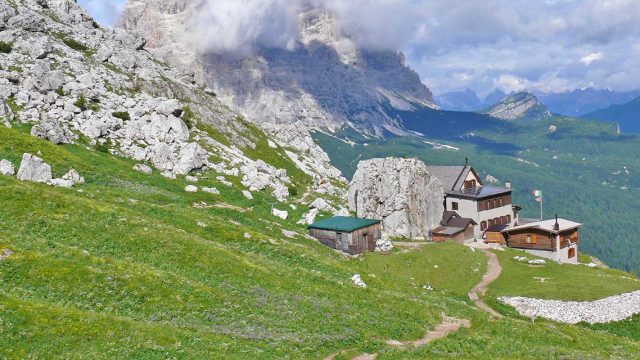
{"x": 447, "y": 230}
{"x": 479, "y": 192}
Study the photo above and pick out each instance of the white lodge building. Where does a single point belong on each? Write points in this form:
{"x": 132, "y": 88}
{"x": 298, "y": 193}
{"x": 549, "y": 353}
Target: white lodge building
{"x": 464, "y": 193}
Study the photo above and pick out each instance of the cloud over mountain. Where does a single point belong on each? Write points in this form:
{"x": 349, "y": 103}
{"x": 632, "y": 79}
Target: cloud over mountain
{"x": 549, "y": 45}
{"x": 240, "y": 26}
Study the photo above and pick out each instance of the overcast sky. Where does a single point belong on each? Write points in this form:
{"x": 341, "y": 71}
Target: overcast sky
{"x": 548, "y": 45}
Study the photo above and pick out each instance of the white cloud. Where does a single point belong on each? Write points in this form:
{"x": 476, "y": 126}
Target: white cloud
{"x": 552, "y": 44}
{"x": 240, "y": 25}
{"x": 588, "y": 59}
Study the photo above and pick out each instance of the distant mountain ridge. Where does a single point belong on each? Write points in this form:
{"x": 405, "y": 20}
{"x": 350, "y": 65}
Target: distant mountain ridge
{"x": 579, "y": 102}
{"x": 575, "y": 103}
{"x": 626, "y": 115}
{"x": 522, "y": 105}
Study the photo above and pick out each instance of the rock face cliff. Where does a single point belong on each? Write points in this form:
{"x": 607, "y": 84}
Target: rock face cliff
{"x": 522, "y": 105}
{"x": 325, "y": 81}
{"x": 401, "y": 192}
{"x": 74, "y": 81}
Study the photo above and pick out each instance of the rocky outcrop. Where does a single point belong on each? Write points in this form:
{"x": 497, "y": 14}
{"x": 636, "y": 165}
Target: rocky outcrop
{"x": 400, "y": 192}
{"x": 33, "y": 168}
{"x": 522, "y": 105}
{"x": 54, "y": 131}
{"x": 99, "y": 87}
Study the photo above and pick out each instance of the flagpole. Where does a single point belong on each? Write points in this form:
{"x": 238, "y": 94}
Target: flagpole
{"x": 541, "y": 201}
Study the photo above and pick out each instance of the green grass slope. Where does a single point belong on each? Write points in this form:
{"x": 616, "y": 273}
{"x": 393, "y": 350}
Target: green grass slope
{"x": 120, "y": 268}
{"x": 561, "y": 282}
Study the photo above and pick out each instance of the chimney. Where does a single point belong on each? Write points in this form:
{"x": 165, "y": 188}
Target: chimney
{"x": 556, "y": 227}
{"x": 507, "y": 184}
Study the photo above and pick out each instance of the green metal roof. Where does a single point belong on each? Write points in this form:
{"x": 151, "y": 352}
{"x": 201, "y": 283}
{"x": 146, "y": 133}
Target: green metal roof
{"x": 343, "y": 224}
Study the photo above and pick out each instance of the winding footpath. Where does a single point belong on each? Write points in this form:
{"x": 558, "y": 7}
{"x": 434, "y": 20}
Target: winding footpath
{"x": 450, "y": 325}
{"x": 493, "y": 272}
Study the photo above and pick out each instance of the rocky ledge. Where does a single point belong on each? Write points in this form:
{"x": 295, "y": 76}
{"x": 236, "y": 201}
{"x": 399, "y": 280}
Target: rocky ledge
{"x": 614, "y": 308}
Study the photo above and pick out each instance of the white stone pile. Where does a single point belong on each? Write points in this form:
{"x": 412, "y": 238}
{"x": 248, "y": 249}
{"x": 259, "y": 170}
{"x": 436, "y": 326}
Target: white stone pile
{"x": 384, "y": 245}
{"x": 614, "y": 308}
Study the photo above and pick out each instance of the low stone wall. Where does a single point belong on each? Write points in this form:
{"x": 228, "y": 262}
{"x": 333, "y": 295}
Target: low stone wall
{"x": 614, "y": 308}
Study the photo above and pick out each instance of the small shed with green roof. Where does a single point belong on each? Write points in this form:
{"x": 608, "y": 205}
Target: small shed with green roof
{"x": 349, "y": 234}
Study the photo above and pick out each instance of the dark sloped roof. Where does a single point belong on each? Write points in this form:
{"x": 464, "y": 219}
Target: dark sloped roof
{"x": 480, "y": 192}
{"x": 461, "y": 222}
{"x": 447, "y": 216}
{"x": 449, "y": 176}
{"x": 343, "y": 224}
{"x": 453, "y": 219}
{"x": 497, "y": 228}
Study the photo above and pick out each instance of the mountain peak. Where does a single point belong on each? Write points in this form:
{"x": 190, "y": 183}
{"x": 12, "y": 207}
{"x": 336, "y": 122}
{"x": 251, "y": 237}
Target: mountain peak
{"x": 325, "y": 81}
{"x": 518, "y": 106}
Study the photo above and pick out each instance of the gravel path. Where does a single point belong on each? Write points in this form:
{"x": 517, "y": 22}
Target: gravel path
{"x": 493, "y": 272}
{"x": 614, "y": 308}
{"x": 448, "y": 326}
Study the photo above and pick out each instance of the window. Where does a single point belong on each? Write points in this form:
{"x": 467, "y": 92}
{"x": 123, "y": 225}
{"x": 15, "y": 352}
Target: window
{"x": 529, "y": 239}
{"x": 572, "y": 253}
{"x": 454, "y": 205}
{"x": 508, "y": 219}
{"x": 483, "y": 226}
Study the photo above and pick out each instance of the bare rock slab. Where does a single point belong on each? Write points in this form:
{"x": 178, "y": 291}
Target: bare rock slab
{"x": 33, "y": 168}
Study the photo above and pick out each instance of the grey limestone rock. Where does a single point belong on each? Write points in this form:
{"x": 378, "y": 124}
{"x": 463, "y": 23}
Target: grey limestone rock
{"x": 34, "y": 169}
{"x": 54, "y": 131}
{"x": 400, "y": 192}
{"x": 6, "y": 168}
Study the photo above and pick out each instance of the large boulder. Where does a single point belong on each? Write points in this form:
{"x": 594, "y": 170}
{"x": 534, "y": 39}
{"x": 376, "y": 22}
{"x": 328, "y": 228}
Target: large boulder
{"x": 401, "y": 192}
{"x": 32, "y": 168}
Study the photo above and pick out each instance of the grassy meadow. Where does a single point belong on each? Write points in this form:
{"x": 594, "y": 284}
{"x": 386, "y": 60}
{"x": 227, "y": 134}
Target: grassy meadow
{"x": 125, "y": 266}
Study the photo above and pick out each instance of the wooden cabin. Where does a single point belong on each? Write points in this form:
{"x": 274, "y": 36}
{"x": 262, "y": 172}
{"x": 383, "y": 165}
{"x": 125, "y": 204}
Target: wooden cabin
{"x": 453, "y": 227}
{"x": 552, "y": 239}
{"x": 493, "y": 235}
{"x": 347, "y": 234}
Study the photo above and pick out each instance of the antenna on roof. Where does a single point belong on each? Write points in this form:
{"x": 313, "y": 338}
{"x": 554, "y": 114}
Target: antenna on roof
{"x": 466, "y": 161}
{"x": 556, "y": 227}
